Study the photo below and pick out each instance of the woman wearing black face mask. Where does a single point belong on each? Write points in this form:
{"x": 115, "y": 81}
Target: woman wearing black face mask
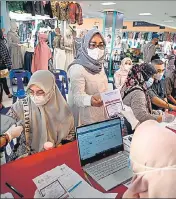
{"x": 5, "y": 63}
{"x": 150, "y": 49}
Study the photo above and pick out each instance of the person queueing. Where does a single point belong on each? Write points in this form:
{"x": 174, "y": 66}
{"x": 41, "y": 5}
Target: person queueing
{"x": 5, "y": 63}
{"x": 88, "y": 80}
{"x": 120, "y": 75}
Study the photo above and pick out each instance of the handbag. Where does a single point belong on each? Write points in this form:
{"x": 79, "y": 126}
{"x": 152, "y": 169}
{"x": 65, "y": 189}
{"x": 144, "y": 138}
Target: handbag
{"x": 4, "y": 73}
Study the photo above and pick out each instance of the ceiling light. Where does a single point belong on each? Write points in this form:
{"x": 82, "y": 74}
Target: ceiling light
{"x": 168, "y": 21}
{"x": 145, "y": 14}
{"x": 108, "y": 3}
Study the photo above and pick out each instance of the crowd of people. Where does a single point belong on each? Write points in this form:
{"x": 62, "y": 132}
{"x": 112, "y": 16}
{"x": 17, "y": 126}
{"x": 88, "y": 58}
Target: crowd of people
{"x": 148, "y": 93}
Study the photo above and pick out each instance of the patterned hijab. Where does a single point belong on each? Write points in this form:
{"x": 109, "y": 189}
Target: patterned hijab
{"x": 93, "y": 66}
{"x": 137, "y": 77}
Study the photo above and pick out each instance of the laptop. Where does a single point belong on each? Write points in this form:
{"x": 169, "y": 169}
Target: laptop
{"x": 102, "y": 154}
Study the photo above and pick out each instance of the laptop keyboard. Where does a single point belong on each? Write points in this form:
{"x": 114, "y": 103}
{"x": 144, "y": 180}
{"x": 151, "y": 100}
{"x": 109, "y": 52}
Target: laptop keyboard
{"x": 108, "y": 167}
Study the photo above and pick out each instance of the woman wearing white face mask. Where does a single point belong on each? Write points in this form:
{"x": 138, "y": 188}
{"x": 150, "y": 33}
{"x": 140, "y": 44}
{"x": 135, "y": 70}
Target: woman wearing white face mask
{"x": 121, "y": 75}
{"x": 45, "y": 113}
{"x": 153, "y": 161}
{"x": 88, "y": 80}
{"x": 135, "y": 92}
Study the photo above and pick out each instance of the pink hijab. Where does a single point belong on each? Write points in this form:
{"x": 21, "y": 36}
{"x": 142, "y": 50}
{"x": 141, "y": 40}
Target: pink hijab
{"x": 153, "y": 161}
{"x": 42, "y": 54}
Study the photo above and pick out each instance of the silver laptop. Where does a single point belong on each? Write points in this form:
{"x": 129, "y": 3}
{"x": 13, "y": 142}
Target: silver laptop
{"x": 102, "y": 154}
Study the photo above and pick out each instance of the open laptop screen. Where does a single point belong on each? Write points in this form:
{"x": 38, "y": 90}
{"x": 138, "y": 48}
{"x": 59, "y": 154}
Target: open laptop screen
{"x": 99, "y": 140}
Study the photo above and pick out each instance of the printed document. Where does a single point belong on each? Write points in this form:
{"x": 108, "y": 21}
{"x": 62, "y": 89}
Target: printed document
{"x": 63, "y": 182}
{"x": 112, "y": 101}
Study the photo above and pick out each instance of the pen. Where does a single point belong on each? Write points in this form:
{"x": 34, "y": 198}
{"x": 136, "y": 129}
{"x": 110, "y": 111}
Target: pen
{"x": 74, "y": 187}
{"x": 12, "y": 188}
{"x": 87, "y": 178}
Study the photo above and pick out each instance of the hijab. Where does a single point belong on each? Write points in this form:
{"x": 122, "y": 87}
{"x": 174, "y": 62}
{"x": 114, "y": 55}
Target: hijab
{"x": 137, "y": 77}
{"x": 13, "y": 26}
{"x": 153, "y": 162}
{"x": 122, "y": 71}
{"x": 91, "y": 65}
{"x": 51, "y": 122}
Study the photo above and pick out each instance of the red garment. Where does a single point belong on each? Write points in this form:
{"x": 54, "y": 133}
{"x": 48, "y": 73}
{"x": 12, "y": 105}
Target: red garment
{"x": 72, "y": 8}
{"x": 42, "y": 54}
{"x": 79, "y": 17}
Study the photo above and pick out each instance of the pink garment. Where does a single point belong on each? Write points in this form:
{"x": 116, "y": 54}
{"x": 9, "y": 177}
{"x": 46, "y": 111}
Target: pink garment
{"x": 153, "y": 161}
{"x": 42, "y": 54}
{"x": 121, "y": 75}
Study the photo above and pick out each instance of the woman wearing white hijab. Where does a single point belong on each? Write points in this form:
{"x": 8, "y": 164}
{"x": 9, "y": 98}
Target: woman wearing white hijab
{"x": 121, "y": 75}
{"x": 88, "y": 80}
{"x": 153, "y": 161}
{"x": 45, "y": 112}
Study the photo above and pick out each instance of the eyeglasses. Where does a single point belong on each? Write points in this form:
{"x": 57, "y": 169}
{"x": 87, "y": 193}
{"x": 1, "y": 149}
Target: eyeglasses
{"x": 38, "y": 93}
{"x": 101, "y": 46}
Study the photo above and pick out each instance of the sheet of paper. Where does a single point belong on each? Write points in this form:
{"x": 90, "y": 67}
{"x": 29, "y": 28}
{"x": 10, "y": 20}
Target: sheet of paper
{"x": 6, "y": 195}
{"x": 112, "y": 101}
{"x": 63, "y": 182}
{"x": 127, "y": 184}
{"x": 171, "y": 125}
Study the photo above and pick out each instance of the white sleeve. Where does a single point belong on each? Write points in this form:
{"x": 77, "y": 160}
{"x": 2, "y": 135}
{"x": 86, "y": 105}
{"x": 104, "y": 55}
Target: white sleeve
{"x": 77, "y": 81}
{"x": 117, "y": 79}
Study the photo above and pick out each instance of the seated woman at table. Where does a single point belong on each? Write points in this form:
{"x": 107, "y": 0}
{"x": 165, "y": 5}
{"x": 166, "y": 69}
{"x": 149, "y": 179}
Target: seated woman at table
{"x": 45, "y": 113}
{"x": 88, "y": 80}
{"x": 135, "y": 95}
{"x": 153, "y": 161}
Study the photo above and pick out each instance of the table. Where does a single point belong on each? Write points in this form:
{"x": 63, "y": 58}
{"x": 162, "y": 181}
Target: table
{"x": 21, "y": 172}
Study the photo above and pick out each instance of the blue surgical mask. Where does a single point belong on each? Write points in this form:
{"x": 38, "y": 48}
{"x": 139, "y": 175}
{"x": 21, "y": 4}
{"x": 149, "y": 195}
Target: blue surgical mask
{"x": 149, "y": 83}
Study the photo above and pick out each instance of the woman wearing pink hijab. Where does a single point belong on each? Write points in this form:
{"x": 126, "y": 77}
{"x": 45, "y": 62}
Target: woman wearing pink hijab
{"x": 42, "y": 54}
{"x": 153, "y": 161}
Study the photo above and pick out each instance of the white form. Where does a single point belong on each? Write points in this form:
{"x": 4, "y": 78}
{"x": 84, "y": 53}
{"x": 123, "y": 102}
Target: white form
{"x": 112, "y": 101}
{"x": 63, "y": 182}
{"x": 6, "y": 195}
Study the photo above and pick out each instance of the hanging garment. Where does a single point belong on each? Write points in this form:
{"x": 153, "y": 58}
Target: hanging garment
{"x": 54, "y": 3}
{"x": 59, "y": 59}
{"x": 42, "y": 54}
{"x": 79, "y": 17}
{"x": 48, "y": 9}
{"x": 16, "y": 6}
{"x": 29, "y": 7}
{"x": 72, "y": 9}
{"x": 28, "y": 61}
{"x": 39, "y": 9}
{"x": 69, "y": 51}
{"x": 15, "y": 50}
{"x": 62, "y": 11}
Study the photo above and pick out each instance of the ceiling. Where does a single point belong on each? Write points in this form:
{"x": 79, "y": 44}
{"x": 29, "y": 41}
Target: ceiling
{"x": 161, "y": 10}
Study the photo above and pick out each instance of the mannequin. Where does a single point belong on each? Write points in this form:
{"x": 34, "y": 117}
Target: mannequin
{"x": 59, "y": 51}
{"x": 14, "y": 46}
{"x": 69, "y": 48}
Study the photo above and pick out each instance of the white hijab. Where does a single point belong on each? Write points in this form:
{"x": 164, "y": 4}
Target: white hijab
{"x": 51, "y": 122}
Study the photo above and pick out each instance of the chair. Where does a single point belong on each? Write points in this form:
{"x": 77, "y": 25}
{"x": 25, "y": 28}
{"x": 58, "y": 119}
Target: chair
{"x": 20, "y": 75}
{"x": 61, "y": 81}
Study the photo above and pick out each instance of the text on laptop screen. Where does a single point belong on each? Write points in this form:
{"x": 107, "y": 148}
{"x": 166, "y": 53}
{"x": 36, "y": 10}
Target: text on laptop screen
{"x": 97, "y": 138}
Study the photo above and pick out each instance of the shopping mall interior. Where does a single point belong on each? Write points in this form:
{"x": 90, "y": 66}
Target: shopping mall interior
{"x": 86, "y": 90}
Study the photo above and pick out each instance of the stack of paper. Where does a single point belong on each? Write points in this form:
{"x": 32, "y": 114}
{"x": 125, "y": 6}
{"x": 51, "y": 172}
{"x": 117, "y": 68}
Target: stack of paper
{"x": 63, "y": 182}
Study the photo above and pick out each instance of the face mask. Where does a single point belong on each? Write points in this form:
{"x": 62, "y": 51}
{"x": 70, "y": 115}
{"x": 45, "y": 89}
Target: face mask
{"x": 128, "y": 67}
{"x": 40, "y": 100}
{"x": 149, "y": 83}
{"x": 96, "y": 53}
{"x": 151, "y": 169}
{"x": 159, "y": 76}
{"x": 156, "y": 43}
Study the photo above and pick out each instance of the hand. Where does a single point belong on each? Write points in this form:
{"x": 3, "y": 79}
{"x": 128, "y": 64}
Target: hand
{"x": 14, "y": 131}
{"x": 96, "y": 101}
{"x": 129, "y": 115}
{"x": 168, "y": 117}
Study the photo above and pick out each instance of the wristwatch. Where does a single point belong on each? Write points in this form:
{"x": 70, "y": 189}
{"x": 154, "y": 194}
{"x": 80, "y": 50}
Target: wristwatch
{"x": 6, "y": 137}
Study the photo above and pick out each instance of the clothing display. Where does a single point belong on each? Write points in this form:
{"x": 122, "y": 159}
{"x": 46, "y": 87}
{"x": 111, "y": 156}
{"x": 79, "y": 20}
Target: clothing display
{"x": 42, "y": 54}
{"x": 28, "y": 60}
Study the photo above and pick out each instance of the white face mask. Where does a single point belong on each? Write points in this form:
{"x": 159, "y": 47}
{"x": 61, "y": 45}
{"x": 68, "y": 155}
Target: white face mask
{"x": 96, "y": 53}
{"x": 159, "y": 76}
{"x": 39, "y": 100}
{"x": 149, "y": 83}
{"x": 128, "y": 67}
